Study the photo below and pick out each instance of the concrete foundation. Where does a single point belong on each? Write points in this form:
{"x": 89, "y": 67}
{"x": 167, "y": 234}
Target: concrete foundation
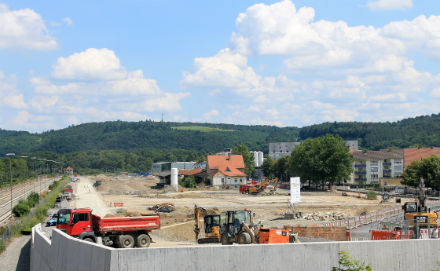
{"x": 66, "y": 253}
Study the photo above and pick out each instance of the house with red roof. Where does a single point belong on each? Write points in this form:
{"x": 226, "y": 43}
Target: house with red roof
{"x": 226, "y": 170}
{"x": 417, "y": 154}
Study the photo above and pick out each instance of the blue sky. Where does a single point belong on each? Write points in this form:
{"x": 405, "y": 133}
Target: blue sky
{"x": 285, "y": 63}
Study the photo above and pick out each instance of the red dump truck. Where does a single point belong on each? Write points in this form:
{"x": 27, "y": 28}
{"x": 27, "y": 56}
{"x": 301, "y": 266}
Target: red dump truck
{"x": 122, "y": 232}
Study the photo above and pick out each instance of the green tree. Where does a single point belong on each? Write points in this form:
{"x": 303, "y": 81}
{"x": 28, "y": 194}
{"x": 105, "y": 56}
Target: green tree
{"x": 249, "y": 164}
{"x": 33, "y": 199}
{"x": 320, "y": 160}
{"x": 188, "y": 182}
{"x": 347, "y": 263}
{"x": 268, "y": 167}
{"x": 21, "y": 209}
{"x": 428, "y": 169}
{"x": 280, "y": 168}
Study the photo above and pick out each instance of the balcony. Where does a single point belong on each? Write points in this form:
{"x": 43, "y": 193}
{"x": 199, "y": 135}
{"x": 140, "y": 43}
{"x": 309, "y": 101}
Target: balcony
{"x": 360, "y": 165}
{"x": 386, "y": 163}
{"x": 386, "y": 170}
{"x": 360, "y": 172}
{"x": 360, "y": 179}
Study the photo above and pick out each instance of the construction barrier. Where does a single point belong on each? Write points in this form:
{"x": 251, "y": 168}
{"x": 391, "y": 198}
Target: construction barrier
{"x": 116, "y": 204}
{"x": 358, "y": 221}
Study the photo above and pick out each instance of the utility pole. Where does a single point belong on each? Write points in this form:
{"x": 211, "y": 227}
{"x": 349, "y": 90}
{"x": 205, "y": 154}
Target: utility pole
{"x": 10, "y": 174}
{"x": 10, "y": 179}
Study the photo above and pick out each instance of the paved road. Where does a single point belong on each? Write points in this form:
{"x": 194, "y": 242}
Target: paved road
{"x": 363, "y": 233}
{"x": 17, "y": 255}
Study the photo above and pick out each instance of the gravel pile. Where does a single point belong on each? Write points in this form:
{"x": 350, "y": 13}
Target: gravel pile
{"x": 326, "y": 216}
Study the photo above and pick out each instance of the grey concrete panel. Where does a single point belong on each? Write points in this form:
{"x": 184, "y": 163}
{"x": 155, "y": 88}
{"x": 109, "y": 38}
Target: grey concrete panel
{"x": 67, "y": 253}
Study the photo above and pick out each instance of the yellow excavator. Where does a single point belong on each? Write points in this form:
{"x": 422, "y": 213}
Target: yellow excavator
{"x": 211, "y": 226}
{"x": 418, "y": 211}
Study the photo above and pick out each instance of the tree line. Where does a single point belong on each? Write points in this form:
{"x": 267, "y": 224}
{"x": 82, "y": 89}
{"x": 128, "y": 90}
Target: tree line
{"x": 210, "y": 138}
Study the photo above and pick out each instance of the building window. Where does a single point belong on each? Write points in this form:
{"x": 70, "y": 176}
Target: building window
{"x": 374, "y": 163}
{"x": 398, "y": 168}
{"x": 374, "y": 169}
{"x": 398, "y": 161}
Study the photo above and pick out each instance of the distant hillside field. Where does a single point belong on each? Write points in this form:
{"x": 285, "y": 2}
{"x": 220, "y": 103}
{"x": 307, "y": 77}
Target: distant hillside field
{"x": 200, "y": 129}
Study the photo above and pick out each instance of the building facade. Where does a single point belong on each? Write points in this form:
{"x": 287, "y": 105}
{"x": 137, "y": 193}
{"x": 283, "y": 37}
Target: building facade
{"x": 370, "y": 166}
{"x": 226, "y": 170}
{"x": 280, "y": 149}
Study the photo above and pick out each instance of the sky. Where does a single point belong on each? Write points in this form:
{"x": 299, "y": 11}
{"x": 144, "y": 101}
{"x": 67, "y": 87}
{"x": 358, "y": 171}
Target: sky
{"x": 283, "y": 63}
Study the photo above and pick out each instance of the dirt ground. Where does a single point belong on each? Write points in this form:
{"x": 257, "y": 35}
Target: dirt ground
{"x": 137, "y": 195}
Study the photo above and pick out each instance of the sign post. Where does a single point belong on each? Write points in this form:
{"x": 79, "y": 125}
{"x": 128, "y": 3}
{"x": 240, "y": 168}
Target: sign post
{"x": 295, "y": 188}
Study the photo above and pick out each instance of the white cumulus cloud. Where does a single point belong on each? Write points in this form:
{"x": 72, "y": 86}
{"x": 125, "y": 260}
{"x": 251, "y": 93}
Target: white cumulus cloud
{"x": 354, "y": 72}
{"x": 24, "y": 29}
{"x": 381, "y": 5}
{"x": 91, "y": 64}
{"x": 92, "y": 85}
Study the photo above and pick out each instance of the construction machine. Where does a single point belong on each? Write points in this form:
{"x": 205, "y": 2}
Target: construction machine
{"x": 211, "y": 226}
{"x": 258, "y": 188}
{"x": 239, "y": 227}
{"x": 418, "y": 211}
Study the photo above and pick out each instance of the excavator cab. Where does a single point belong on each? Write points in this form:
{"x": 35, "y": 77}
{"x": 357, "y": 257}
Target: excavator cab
{"x": 418, "y": 212}
{"x": 210, "y": 223}
{"x": 211, "y": 226}
{"x": 237, "y": 227}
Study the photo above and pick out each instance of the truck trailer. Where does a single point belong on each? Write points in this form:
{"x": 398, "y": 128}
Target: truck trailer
{"x": 122, "y": 232}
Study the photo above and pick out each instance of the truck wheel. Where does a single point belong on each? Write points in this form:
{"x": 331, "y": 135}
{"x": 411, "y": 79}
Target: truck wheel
{"x": 244, "y": 238}
{"x": 225, "y": 240}
{"x": 89, "y": 239}
{"x": 143, "y": 240}
{"x": 126, "y": 241}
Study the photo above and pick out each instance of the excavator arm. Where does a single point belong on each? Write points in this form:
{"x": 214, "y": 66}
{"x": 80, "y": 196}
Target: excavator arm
{"x": 197, "y": 226}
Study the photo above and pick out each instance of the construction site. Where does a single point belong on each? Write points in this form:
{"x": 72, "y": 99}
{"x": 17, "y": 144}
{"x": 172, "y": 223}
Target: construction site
{"x": 136, "y": 196}
{"x": 109, "y": 219}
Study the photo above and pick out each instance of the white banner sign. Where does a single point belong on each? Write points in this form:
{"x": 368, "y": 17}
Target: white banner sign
{"x": 295, "y": 187}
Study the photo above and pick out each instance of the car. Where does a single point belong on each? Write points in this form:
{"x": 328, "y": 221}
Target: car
{"x": 51, "y": 222}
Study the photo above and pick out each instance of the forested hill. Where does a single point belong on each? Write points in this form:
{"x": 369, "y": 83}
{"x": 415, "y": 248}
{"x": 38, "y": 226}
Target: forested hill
{"x": 211, "y": 138}
{"x": 119, "y": 135}
{"x": 421, "y": 131}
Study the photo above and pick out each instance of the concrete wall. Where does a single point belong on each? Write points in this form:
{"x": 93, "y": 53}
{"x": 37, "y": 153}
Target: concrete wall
{"x": 65, "y": 253}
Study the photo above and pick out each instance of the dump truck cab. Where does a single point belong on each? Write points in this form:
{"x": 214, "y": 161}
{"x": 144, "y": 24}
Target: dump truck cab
{"x": 76, "y": 222}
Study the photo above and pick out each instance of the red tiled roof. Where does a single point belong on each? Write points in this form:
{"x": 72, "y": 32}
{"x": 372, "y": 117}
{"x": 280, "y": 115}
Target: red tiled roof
{"x": 229, "y": 165}
{"x": 413, "y": 154}
{"x": 189, "y": 172}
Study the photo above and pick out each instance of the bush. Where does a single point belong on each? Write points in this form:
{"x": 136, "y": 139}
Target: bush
{"x": 188, "y": 182}
{"x": 21, "y": 209}
{"x": 33, "y": 199}
{"x": 371, "y": 195}
{"x": 347, "y": 263}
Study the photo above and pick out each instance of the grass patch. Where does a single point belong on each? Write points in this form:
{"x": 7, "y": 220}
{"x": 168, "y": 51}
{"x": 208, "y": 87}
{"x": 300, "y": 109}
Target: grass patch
{"x": 203, "y": 129}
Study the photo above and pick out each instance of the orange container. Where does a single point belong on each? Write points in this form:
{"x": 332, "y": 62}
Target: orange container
{"x": 273, "y": 236}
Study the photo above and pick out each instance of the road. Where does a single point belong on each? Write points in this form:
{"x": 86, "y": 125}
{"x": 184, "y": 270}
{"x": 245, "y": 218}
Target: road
{"x": 87, "y": 197}
{"x": 21, "y": 191}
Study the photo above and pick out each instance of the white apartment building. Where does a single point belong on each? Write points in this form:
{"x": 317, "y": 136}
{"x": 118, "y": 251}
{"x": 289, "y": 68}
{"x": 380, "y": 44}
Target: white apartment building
{"x": 370, "y": 166}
